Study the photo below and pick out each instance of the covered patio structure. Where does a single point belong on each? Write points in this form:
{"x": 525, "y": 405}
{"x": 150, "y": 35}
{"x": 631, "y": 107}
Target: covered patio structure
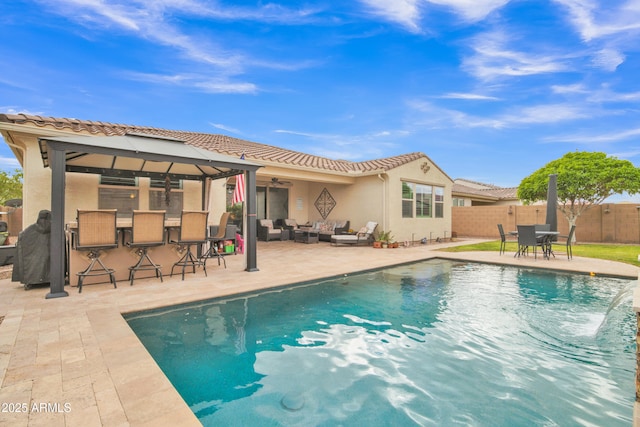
{"x": 136, "y": 155}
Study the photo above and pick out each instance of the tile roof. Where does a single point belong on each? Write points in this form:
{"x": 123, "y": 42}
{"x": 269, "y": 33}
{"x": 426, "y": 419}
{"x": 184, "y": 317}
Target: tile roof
{"x": 492, "y": 192}
{"x": 216, "y": 142}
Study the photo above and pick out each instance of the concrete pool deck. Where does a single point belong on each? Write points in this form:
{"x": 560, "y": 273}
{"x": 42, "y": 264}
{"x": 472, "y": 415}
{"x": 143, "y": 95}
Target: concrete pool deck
{"x": 75, "y": 362}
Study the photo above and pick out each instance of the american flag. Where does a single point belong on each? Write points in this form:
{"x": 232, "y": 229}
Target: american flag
{"x": 238, "y": 193}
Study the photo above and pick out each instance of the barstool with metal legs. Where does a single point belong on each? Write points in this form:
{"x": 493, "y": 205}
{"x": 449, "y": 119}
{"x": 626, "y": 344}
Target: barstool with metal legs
{"x": 96, "y": 232}
{"x": 213, "y": 250}
{"x": 193, "y": 231}
{"x": 147, "y": 231}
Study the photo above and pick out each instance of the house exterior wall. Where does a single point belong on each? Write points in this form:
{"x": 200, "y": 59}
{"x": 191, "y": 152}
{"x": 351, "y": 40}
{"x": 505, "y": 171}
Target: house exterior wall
{"x": 404, "y": 229}
{"x": 607, "y": 223}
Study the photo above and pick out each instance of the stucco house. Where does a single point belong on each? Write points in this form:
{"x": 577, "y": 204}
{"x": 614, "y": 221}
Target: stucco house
{"x": 472, "y": 193}
{"x": 407, "y": 194}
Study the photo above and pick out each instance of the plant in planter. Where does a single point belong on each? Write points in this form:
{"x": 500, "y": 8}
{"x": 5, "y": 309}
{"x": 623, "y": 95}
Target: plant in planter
{"x": 382, "y": 240}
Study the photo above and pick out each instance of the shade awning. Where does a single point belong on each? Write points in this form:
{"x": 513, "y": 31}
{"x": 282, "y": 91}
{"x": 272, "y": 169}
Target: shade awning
{"x": 139, "y": 155}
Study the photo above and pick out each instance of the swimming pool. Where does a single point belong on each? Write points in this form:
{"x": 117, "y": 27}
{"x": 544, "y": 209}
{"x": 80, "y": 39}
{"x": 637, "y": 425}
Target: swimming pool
{"x": 432, "y": 343}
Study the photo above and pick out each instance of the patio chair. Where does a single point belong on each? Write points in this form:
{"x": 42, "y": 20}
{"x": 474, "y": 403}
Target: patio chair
{"x": 193, "y": 232}
{"x": 291, "y": 225}
{"x": 214, "y": 241}
{"x": 96, "y": 232}
{"x": 363, "y": 236}
{"x": 267, "y": 231}
{"x": 568, "y": 242}
{"x": 147, "y": 231}
{"x": 503, "y": 239}
{"x": 527, "y": 239}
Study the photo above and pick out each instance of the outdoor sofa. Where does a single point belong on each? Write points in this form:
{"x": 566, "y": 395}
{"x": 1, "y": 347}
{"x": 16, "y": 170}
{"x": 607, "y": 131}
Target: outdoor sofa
{"x": 328, "y": 228}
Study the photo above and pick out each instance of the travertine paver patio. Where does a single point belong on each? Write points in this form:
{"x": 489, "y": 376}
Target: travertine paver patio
{"x": 74, "y": 361}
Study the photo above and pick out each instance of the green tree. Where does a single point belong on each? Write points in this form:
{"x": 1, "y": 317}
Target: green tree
{"x": 10, "y": 185}
{"x": 585, "y": 179}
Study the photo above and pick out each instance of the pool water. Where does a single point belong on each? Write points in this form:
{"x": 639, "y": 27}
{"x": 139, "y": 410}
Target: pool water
{"x": 431, "y": 343}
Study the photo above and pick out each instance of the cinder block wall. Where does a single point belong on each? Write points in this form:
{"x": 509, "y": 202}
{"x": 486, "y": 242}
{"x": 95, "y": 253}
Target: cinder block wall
{"x": 607, "y": 223}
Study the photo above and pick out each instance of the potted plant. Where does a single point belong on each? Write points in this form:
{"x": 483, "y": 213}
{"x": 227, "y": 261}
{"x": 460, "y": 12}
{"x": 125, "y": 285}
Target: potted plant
{"x": 382, "y": 240}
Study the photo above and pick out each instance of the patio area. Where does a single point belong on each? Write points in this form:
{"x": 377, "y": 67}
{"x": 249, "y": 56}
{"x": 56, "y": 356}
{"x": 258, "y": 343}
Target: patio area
{"x": 78, "y": 357}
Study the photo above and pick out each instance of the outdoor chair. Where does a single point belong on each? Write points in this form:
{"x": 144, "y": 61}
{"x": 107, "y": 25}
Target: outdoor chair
{"x": 193, "y": 232}
{"x": 503, "y": 239}
{"x": 527, "y": 239}
{"x": 363, "y": 236}
{"x": 568, "y": 242}
{"x": 214, "y": 241}
{"x": 267, "y": 231}
{"x": 291, "y": 225}
{"x": 96, "y": 232}
{"x": 147, "y": 231}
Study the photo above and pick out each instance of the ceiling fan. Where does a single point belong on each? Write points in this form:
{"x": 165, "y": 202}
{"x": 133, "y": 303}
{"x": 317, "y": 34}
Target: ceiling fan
{"x": 277, "y": 183}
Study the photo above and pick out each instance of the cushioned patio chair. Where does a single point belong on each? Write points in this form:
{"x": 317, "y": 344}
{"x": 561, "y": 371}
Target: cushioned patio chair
{"x": 363, "y": 237}
{"x": 267, "y": 231}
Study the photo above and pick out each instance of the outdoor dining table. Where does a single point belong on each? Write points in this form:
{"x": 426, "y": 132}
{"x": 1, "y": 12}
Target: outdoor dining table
{"x": 546, "y": 236}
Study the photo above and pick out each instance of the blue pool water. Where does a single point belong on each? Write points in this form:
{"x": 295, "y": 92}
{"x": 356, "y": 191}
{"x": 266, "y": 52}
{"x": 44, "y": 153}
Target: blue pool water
{"x": 432, "y": 343}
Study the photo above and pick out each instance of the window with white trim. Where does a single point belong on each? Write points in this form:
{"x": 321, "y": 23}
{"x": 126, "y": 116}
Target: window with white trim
{"x": 422, "y": 201}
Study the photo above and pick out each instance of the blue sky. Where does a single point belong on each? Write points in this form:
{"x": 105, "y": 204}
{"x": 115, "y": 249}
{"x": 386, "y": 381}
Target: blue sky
{"x": 491, "y": 90}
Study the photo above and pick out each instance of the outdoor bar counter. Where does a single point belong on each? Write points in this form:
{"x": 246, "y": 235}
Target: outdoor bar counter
{"x": 123, "y": 257}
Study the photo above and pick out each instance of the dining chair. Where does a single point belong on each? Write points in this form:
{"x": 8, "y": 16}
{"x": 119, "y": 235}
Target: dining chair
{"x": 193, "y": 232}
{"x": 567, "y": 244}
{"x": 96, "y": 232}
{"x": 527, "y": 239}
{"x": 147, "y": 231}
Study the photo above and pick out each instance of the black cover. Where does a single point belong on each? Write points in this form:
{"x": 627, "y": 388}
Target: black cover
{"x": 31, "y": 264}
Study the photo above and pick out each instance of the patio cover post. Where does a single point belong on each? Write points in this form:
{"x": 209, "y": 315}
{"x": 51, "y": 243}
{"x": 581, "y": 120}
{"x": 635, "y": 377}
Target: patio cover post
{"x": 251, "y": 226}
{"x": 57, "y": 243}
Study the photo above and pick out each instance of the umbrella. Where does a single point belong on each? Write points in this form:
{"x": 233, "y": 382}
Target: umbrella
{"x": 552, "y": 202}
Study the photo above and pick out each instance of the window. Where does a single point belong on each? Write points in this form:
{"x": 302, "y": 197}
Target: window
{"x": 118, "y": 193}
{"x": 458, "y": 202}
{"x": 158, "y": 200}
{"x": 439, "y": 202}
{"x": 424, "y": 196}
{"x": 422, "y": 201}
{"x": 407, "y": 200}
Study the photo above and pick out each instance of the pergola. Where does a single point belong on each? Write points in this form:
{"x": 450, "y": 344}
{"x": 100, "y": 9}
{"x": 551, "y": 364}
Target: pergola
{"x": 136, "y": 155}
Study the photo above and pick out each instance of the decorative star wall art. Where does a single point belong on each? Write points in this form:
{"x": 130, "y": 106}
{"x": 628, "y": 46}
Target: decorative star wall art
{"x": 325, "y": 203}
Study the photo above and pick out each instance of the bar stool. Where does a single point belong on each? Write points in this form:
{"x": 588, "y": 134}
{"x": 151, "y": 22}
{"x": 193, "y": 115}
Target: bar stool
{"x": 96, "y": 232}
{"x": 193, "y": 231}
{"x": 215, "y": 240}
{"x": 147, "y": 231}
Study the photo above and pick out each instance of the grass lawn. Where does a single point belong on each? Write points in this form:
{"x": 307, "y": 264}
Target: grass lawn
{"x": 622, "y": 253}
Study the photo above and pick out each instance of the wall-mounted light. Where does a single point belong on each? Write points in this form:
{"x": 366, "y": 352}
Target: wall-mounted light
{"x": 606, "y": 209}
{"x": 510, "y": 211}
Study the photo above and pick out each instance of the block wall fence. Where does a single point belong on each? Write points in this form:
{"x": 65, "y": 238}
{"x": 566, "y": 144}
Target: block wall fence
{"x": 606, "y": 223}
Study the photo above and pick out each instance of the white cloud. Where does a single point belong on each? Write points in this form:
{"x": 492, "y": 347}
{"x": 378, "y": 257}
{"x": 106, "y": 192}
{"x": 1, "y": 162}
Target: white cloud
{"x": 600, "y": 18}
{"x": 225, "y": 128}
{"x": 608, "y": 59}
{"x": 492, "y": 58}
{"x": 9, "y": 164}
{"x": 596, "y": 139}
{"x": 469, "y": 96}
{"x": 472, "y": 10}
{"x": 206, "y": 83}
{"x": 403, "y": 12}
